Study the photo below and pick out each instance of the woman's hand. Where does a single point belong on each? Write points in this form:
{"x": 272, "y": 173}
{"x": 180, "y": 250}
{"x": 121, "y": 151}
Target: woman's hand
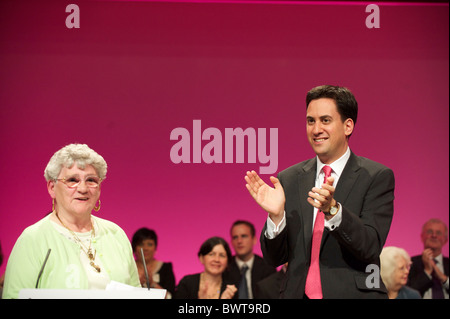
{"x": 229, "y": 292}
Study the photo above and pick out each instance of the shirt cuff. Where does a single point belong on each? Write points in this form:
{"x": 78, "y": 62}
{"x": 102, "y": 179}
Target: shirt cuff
{"x": 334, "y": 222}
{"x": 445, "y": 284}
{"x": 273, "y": 230}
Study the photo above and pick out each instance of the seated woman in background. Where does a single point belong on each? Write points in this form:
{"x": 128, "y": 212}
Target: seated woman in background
{"x": 160, "y": 273}
{"x": 214, "y": 254}
{"x": 395, "y": 264}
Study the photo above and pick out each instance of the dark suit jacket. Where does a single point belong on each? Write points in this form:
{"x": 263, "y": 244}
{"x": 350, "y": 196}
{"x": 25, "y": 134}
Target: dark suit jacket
{"x": 166, "y": 277}
{"x": 269, "y": 287}
{"x": 417, "y": 278}
{"x": 260, "y": 270}
{"x": 366, "y": 192}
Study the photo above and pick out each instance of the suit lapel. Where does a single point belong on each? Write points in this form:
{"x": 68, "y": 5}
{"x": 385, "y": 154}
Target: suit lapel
{"x": 306, "y": 181}
{"x": 347, "y": 179}
{"x": 345, "y": 184}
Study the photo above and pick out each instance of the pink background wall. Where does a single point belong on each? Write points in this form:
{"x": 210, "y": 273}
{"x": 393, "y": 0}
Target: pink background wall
{"x": 134, "y": 71}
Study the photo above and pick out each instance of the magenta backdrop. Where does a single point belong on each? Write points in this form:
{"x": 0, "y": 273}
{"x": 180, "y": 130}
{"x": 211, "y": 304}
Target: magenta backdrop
{"x": 134, "y": 71}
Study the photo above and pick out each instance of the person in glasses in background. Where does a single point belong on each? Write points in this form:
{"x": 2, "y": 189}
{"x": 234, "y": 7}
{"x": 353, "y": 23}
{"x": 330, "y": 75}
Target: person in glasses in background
{"x": 430, "y": 270}
{"x": 86, "y": 252}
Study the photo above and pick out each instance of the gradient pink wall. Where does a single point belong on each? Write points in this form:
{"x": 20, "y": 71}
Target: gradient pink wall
{"x": 134, "y": 71}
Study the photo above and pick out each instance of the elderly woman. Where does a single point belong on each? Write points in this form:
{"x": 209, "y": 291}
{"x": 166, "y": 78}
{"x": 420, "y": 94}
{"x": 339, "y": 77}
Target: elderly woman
{"x": 395, "y": 264}
{"x": 215, "y": 255}
{"x": 87, "y": 252}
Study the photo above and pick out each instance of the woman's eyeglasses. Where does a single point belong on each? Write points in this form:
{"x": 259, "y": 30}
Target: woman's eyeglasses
{"x": 74, "y": 181}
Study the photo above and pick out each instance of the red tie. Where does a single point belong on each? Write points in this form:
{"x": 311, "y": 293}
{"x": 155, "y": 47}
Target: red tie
{"x": 313, "y": 287}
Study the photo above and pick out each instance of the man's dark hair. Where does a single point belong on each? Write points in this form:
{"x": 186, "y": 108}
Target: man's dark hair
{"x": 345, "y": 100}
{"x": 247, "y": 223}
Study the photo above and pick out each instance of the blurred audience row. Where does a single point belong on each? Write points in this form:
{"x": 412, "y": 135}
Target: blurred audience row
{"x": 247, "y": 276}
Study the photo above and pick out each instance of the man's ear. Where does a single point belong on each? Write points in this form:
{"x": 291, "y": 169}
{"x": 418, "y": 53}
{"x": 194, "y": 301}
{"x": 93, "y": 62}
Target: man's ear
{"x": 349, "y": 126}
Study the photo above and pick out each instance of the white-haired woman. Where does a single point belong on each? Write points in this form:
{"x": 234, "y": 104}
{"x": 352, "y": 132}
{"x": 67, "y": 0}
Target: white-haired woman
{"x": 395, "y": 264}
{"x": 87, "y": 252}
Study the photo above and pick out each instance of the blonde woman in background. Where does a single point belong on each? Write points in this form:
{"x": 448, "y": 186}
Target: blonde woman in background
{"x": 395, "y": 264}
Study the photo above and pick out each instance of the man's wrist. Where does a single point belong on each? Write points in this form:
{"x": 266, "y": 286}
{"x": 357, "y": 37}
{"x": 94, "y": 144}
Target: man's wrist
{"x": 334, "y": 208}
{"x": 276, "y": 218}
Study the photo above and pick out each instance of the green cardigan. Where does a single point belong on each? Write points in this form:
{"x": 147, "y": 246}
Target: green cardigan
{"x": 64, "y": 269}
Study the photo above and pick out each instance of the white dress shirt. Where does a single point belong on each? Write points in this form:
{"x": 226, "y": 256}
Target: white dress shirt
{"x": 248, "y": 274}
{"x": 440, "y": 264}
{"x": 337, "y": 167}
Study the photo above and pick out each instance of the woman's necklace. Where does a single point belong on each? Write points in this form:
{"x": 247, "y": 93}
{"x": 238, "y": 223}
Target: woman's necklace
{"x": 214, "y": 291}
{"x": 87, "y": 251}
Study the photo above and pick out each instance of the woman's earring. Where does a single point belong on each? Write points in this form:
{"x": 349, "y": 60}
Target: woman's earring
{"x": 97, "y": 208}
{"x": 53, "y": 204}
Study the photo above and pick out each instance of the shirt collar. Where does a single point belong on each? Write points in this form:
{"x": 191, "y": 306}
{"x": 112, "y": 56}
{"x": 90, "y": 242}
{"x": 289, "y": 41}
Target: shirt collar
{"x": 337, "y": 166}
{"x": 439, "y": 259}
{"x": 241, "y": 263}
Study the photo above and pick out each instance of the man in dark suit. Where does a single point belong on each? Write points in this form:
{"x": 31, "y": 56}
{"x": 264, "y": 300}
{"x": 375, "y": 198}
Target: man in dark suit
{"x": 429, "y": 271}
{"x": 269, "y": 287}
{"x": 243, "y": 238}
{"x": 352, "y": 207}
